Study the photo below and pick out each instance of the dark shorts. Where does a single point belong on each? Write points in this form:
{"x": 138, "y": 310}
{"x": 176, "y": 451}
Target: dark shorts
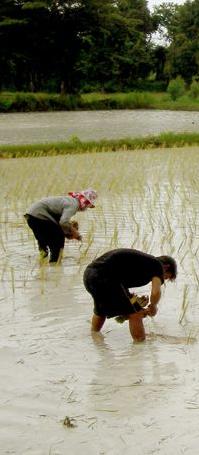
{"x": 47, "y": 233}
{"x": 110, "y": 298}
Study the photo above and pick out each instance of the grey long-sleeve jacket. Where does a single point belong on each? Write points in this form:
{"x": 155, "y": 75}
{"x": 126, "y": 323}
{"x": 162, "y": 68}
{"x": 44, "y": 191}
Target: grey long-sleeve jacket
{"x": 58, "y": 209}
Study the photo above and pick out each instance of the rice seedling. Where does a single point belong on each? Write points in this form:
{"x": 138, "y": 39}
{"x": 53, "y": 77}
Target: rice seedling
{"x": 164, "y": 140}
{"x": 2, "y": 243}
{"x": 12, "y": 279}
{"x": 153, "y": 209}
{"x": 185, "y": 304}
{"x": 42, "y": 276}
{"x": 90, "y": 238}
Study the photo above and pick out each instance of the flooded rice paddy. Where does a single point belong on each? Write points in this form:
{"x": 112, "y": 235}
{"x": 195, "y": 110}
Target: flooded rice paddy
{"x": 43, "y": 127}
{"x": 62, "y": 390}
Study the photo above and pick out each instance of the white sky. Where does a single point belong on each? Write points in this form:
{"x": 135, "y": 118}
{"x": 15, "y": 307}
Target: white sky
{"x": 152, "y": 3}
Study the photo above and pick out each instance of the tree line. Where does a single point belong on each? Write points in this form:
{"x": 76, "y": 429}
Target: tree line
{"x": 89, "y": 45}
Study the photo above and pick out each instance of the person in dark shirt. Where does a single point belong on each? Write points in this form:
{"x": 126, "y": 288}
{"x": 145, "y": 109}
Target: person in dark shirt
{"x": 109, "y": 277}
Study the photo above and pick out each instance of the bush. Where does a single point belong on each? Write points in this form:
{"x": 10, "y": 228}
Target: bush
{"x": 150, "y": 86}
{"x": 194, "y": 89}
{"x": 5, "y": 104}
{"x": 176, "y": 88}
{"x": 32, "y": 102}
{"x": 24, "y": 102}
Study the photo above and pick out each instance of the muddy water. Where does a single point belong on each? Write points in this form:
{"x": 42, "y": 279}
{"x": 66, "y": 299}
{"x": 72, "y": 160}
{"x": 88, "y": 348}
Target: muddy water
{"x": 41, "y": 127}
{"x": 117, "y": 396}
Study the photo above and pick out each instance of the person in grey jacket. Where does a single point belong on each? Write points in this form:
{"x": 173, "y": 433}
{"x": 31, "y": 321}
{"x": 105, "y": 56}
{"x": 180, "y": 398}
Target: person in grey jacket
{"x": 50, "y": 220}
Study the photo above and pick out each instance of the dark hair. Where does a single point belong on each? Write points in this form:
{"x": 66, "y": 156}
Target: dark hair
{"x": 171, "y": 265}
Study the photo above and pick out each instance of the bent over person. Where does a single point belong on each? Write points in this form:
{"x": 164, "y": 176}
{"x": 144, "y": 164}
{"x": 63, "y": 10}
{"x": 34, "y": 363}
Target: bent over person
{"x": 50, "y": 220}
{"x": 109, "y": 277}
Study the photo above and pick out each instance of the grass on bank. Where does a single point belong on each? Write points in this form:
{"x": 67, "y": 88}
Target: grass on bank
{"x": 73, "y": 146}
{"x": 43, "y": 102}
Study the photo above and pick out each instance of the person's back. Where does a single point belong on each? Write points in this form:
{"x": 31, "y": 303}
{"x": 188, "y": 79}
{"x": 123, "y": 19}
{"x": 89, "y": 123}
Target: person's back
{"x": 131, "y": 267}
{"x": 52, "y": 208}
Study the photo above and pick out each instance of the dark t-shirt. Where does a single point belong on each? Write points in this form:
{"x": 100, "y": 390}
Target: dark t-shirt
{"x": 130, "y": 267}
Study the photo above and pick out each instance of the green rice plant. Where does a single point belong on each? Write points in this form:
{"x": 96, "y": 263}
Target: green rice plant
{"x": 147, "y": 199}
{"x": 12, "y": 279}
{"x": 42, "y": 276}
{"x": 76, "y": 146}
{"x": 192, "y": 337}
{"x": 2, "y": 243}
{"x": 114, "y": 238}
{"x": 90, "y": 238}
{"x": 185, "y": 304}
{"x": 120, "y": 319}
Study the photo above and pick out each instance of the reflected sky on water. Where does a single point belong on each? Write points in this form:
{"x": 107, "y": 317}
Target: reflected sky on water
{"x": 44, "y": 127}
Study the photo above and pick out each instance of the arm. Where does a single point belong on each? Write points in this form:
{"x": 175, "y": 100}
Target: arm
{"x": 68, "y": 211}
{"x": 70, "y": 228}
{"x": 155, "y": 296}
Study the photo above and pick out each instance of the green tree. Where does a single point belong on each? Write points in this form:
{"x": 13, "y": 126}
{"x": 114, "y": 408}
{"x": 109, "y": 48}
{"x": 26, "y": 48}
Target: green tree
{"x": 10, "y": 24}
{"x": 135, "y": 50}
{"x": 24, "y": 41}
{"x": 115, "y": 48}
{"x": 182, "y": 32}
{"x": 67, "y": 45}
{"x": 159, "y": 59}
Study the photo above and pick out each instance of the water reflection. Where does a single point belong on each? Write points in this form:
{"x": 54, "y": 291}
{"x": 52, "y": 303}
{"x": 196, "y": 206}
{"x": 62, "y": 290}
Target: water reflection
{"x": 40, "y": 127}
{"x": 148, "y": 200}
{"x": 131, "y": 395}
{"x": 126, "y": 376}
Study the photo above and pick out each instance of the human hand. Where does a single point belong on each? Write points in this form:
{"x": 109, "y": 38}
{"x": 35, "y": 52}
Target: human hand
{"x": 151, "y": 310}
{"x": 79, "y": 237}
{"x": 74, "y": 235}
{"x": 143, "y": 313}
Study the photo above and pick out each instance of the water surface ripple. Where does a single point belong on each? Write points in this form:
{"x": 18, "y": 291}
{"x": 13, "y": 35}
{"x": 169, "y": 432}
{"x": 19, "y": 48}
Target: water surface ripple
{"x": 44, "y": 127}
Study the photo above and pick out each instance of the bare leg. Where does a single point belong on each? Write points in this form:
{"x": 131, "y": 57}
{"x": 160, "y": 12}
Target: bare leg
{"x": 136, "y": 326}
{"x": 97, "y": 322}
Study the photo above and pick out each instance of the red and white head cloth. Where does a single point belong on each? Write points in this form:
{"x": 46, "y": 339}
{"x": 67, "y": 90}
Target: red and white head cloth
{"x": 86, "y": 198}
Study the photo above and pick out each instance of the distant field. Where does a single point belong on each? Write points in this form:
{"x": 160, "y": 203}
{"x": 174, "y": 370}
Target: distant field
{"x": 76, "y": 146}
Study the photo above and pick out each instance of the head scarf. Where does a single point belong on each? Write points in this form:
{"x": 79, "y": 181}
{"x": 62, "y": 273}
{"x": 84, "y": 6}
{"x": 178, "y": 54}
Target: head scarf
{"x": 86, "y": 198}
